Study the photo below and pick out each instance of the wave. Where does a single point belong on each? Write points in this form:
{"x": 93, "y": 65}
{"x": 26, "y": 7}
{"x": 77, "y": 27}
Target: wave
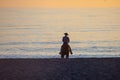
{"x": 72, "y": 42}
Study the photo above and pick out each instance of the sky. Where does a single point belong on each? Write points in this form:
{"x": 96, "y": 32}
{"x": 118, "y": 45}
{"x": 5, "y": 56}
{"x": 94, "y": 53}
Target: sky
{"x": 60, "y": 3}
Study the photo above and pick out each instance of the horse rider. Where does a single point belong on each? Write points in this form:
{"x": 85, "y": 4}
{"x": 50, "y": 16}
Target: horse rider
{"x": 65, "y": 39}
{"x": 65, "y": 46}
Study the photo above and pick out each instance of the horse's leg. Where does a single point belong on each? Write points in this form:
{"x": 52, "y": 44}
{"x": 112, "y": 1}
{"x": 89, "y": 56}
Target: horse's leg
{"x": 67, "y": 55}
{"x": 62, "y": 55}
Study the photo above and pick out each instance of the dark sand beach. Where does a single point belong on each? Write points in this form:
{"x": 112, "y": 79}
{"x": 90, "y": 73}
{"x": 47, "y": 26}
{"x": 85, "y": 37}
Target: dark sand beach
{"x": 60, "y": 69}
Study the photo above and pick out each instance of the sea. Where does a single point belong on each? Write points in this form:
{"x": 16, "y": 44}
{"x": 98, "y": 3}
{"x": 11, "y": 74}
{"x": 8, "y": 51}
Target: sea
{"x": 38, "y": 32}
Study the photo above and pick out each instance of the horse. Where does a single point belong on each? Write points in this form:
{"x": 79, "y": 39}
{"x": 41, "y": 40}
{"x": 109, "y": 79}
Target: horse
{"x": 65, "y": 49}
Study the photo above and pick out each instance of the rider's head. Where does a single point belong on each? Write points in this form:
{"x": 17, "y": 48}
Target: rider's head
{"x": 65, "y": 34}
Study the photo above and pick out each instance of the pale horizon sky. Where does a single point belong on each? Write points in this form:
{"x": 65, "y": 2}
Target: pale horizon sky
{"x": 60, "y": 3}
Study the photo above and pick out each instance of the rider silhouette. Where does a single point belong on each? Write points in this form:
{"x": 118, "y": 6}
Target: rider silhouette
{"x": 66, "y": 39}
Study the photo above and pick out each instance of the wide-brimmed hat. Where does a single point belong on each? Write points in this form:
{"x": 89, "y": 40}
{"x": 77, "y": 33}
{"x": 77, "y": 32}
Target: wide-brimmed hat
{"x": 65, "y": 33}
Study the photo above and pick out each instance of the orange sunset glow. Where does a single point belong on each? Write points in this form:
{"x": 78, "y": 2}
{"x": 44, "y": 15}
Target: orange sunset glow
{"x": 60, "y": 3}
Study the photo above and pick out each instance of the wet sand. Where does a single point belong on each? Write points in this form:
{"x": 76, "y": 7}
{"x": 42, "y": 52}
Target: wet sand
{"x": 60, "y": 69}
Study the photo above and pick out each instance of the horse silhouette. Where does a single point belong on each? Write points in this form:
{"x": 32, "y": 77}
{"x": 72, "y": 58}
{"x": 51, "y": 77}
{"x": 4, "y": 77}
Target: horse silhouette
{"x": 65, "y": 50}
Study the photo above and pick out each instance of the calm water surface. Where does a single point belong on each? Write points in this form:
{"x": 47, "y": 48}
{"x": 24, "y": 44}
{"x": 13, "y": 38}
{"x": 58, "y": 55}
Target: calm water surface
{"x": 37, "y": 33}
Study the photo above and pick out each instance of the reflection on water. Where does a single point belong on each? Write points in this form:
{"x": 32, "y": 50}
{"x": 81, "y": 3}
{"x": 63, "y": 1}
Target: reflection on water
{"x": 37, "y": 33}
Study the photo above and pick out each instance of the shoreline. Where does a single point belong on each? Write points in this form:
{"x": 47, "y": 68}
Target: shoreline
{"x": 60, "y": 58}
{"x": 55, "y": 56}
